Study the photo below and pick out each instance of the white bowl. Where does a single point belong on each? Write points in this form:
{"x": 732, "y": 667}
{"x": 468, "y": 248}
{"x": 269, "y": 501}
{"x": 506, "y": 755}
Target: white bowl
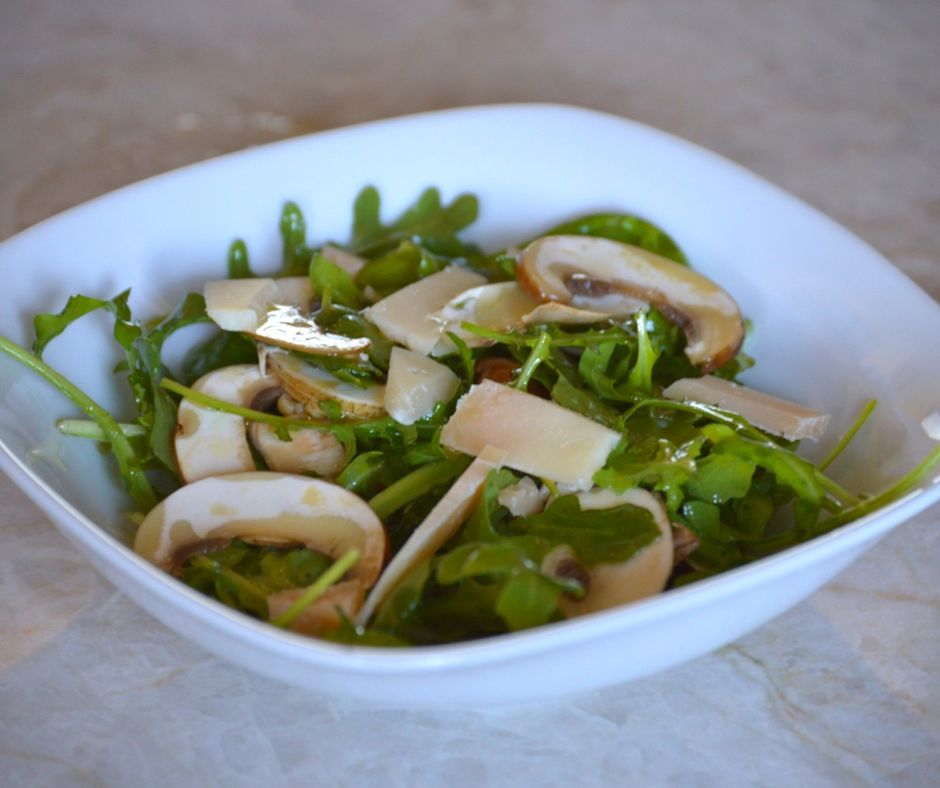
{"x": 835, "y": 325}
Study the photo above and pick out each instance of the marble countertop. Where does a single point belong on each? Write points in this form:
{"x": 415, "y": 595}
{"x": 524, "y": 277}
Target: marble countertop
{"x": 838, "y": 102}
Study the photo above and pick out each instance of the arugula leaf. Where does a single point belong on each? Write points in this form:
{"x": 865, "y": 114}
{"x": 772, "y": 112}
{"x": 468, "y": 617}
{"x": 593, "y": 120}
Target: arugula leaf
{"x": 428, "y": 222}
{"x": 401, "y": 266}
{"x": 238, "y": 265}
{"x": 130, "y": 465}
{"x": 327, "y": 278}
{"x": 528, "y": 599}
{"x": 48, "y": 326}
{"x": 625, "y": 228}
{"x": 223, "y": 349}
{"x": 296, "y": 254}
{"x": 595, "y": 535}
{"x": 242, "y": 575}
{"x": 641, "y": 376}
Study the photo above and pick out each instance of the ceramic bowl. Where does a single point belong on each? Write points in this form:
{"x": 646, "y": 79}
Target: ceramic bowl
{"x": 834, "y": 326}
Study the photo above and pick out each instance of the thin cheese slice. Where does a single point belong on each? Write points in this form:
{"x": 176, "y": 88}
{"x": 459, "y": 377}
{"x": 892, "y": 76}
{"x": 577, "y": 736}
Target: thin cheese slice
{"x": 437, "y": 528}
{"x": 240, "y": 304}
{"x": 540, "y": 437}
{"x": 500, "y": 306}
{"x": 405, "y": 315}
{"x": 774, "y": 415}
{"x": 415, "y": 385}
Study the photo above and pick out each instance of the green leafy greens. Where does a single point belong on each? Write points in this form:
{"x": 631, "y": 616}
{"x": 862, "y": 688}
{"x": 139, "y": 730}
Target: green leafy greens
{"x": 739, "y": 492}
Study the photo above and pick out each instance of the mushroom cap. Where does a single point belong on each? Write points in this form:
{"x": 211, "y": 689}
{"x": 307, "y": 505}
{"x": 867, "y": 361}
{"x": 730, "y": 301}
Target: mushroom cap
{"x": 287, "y": 327}
{"x": 643, "y": 574}
{"x": 209, "y": 442}
{"x": 618, "y": 279}
{"x": 265, "y": 508}
{"x": 311, "y": 385}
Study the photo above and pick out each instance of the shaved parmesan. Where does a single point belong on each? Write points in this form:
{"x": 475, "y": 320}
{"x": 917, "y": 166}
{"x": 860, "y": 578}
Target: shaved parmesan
{"x": 240, "y": 304}
{"x": 540, "y": 437}
{"x": 771, "y": 414}
{"x": 405, "y": 315}
{"x": 440, "y": 525}
{"x": 415, "y": 385}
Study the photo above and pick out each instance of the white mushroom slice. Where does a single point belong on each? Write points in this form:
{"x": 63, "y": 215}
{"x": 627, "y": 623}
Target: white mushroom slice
{"x": 415, "y": 385}
{"x": 209, "y": 442}
{"x": 435, "y": 530}
{"x": 541, "y": 438}
{"x": 563, "y": 314}
{"x": 774, "y": 415}
{"x": 596, "y": 273}
{"x": 240, "y": 304}
{"x": 311, "y": 386}
{"x": 288, "y": 406}
{"x": 326, "y": 613}
{"x": 643, "y": 574}
{"x": 295, "y": 291}
{"x": 307, "y": 451}
{"x": 405, "y": 315}
{"x": 265, "y": 508}
{"x": 524, "y": 498}
{"x": 501, "y": 307}
{"x": 349, "y": 262}
{"x": 287, "y": 327}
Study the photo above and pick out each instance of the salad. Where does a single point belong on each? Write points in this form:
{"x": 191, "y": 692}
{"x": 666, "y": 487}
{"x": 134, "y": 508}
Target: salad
{"x": 401, "y": 439}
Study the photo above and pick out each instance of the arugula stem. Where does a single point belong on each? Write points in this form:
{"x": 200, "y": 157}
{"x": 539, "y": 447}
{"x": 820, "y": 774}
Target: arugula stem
{"x": 910, "y": 480}
{"x": 538, "y": 354}
{"x": 212, "y": 403}
{"x": 416, "y": 484}
{"x": 847, "y": 438}
{"x": 135, "y": 479}
{"x": 84, "y": 428}
{"x": 339, "y": 568}
{"x": 716, "y": 414}
{"x": 837, "y": 490}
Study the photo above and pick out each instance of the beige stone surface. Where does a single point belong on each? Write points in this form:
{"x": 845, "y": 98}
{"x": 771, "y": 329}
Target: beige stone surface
{"x": 837, "y": 101}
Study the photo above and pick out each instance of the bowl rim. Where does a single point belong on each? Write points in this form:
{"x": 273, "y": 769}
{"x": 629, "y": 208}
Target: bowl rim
{"x": 486, "y": 651}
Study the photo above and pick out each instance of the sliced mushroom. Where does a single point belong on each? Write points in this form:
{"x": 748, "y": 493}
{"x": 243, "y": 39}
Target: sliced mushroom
{"x": 643, "y": 574}
{"x": 684, "y": 543}
{"x": 267, "y": 509}
{"x": 287, "y": 327}
{"x": 495, "y": 368}
{"x": 540, "y": 437}
{"x": 209, "y": 442}
{"x": 404, "y": 316}
{"x": 500, "y": 307}
{"x": 435, "y": 530}
{"x": 607, "y": 276}
{"x": 771, "y": 414}
{"x": 306, "y": 451}
{"x": 313, "y": 386}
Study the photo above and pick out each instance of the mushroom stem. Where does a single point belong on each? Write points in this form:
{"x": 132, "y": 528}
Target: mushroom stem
{"x": 213, "y": 403}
